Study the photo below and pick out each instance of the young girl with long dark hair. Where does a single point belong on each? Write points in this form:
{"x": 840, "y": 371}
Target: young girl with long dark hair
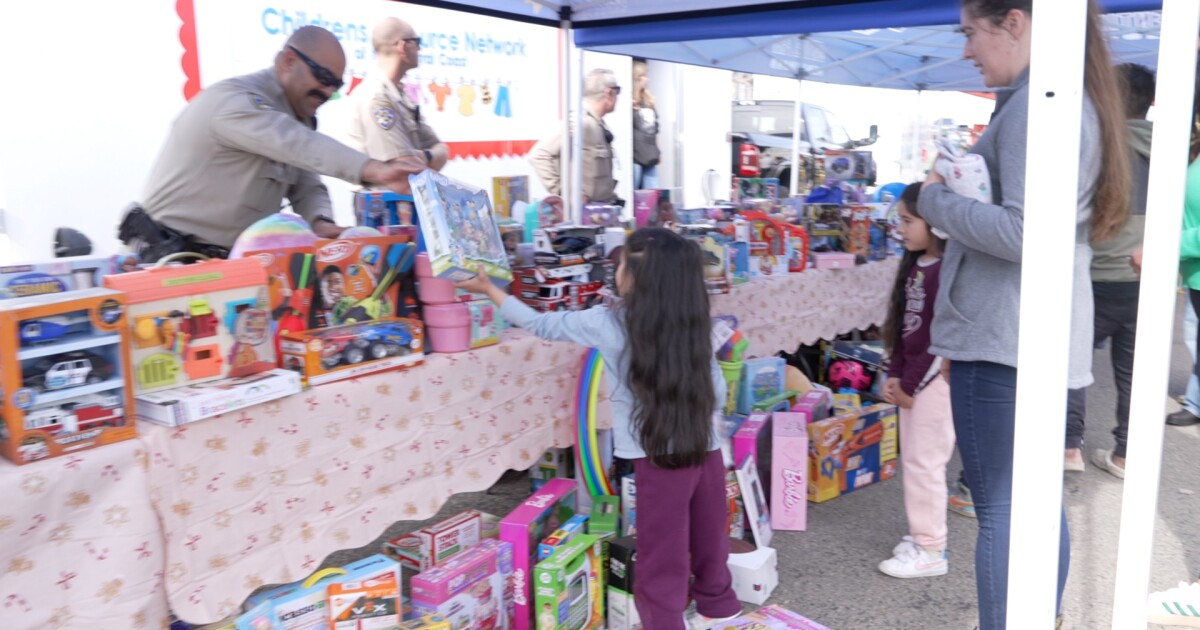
{"x": 665, "y": 387}
{"x": 915, "y": 384}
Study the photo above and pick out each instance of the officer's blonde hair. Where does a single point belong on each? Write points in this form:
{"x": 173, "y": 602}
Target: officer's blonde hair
{"x": 597, "y": 82}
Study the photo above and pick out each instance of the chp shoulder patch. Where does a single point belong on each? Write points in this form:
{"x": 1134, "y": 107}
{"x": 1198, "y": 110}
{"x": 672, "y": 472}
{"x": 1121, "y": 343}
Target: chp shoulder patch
{"x": 258, "y": 102}
{"x": 385, "y": 117}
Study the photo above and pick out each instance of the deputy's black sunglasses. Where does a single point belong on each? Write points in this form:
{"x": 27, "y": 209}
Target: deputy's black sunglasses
{"x": 323, "y": 75}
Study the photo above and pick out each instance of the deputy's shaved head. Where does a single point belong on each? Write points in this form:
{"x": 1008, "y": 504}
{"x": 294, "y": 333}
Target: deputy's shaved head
{"x": 388, "y": 32}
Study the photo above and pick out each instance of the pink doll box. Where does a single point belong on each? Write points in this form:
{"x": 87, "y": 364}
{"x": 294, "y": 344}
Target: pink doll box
{"x": 463, "y": 326}
{"x": 468, "y": 589}
{"x": 772, "y": 618}
{"x": 524, "y": 528}
{"x": 789, "y": 471}
{"x": 832, "y": 260}
{"x": 814, "y": 405}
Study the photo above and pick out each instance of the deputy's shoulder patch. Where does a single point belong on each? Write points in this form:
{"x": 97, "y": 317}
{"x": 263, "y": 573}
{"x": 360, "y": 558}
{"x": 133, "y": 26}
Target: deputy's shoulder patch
{"x": 258, "y": 102}
{"x": 385, "y": 117}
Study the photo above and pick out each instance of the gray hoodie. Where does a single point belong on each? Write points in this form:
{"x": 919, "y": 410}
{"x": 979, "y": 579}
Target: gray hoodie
{"x": 1111, "y": 261}
{"x": 978, "y": 304}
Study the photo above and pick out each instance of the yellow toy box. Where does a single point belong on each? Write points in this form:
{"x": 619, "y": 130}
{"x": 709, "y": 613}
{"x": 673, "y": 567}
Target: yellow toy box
{"x": 63, "y": 371}
{"x": 851, "y": 451}
{"x": 195, "y": 323}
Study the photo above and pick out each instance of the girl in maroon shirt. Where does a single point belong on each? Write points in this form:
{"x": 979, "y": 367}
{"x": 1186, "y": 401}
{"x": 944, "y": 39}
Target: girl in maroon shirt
{"x": 915, "y": 384}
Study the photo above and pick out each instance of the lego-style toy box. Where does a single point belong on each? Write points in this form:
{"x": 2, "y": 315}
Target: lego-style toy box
{"x": 469, "y": 589}
{"x": 332, "y": 354}
{"x": 429, "y": 547}
{"x": 525, "y": 527}
{"x": 64, "y": 373}
{"x": 61, "y": 275}
{"x": 196, "y": 323}
{"x": 358, "y": 279}
{"x": 851, "y": 451}
{"x": 570, "y": 587}
{"x": 174, "y": 407}
{"x": 460, "y": 230}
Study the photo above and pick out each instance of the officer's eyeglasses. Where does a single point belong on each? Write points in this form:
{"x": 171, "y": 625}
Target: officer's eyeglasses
{"x": 323, "y": 75}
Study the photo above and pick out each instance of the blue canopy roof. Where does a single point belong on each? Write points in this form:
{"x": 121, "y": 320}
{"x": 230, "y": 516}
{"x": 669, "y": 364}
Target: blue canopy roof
{"x": 908, "y": 44}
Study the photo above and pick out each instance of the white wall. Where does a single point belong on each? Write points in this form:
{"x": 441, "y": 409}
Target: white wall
{"x": 93, "y": 87}
{"x": 705, "y": 115}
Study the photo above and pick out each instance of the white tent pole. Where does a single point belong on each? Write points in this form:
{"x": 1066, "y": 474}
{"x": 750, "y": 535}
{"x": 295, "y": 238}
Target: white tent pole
{"x": 797, "y": 122}
{"x": 574, "y": 211}
{"x": 565, "y": 181}
{"x": 918, "y": 174}
{"x": 1047, "y": 279}
{"x": 1156, "y": 309}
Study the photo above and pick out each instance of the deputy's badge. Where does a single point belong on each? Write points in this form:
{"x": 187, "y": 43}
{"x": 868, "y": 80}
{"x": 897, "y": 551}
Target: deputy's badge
{"x": 258, "y": 102}
{"x": 385, "y": 117}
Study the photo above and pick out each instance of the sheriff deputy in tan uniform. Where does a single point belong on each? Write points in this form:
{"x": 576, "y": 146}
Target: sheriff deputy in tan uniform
{"x": 387, "y": 124}
{"x": 245, "y": 143}
{"x": 600, "y": 92}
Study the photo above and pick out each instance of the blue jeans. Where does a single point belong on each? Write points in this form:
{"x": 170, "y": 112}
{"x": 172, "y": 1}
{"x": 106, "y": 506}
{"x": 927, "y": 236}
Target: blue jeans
{"x": 1191, "y": 399}
{"x": 645, "y": 178}
{"x": 983, "y": 397}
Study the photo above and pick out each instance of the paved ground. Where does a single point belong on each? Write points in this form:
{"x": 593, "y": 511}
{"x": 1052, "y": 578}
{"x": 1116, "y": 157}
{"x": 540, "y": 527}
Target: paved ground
{"x": 829, "y": 574}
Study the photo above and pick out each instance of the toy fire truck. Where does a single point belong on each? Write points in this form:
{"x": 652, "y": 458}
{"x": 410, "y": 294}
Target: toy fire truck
{"x": 549, "y": 289}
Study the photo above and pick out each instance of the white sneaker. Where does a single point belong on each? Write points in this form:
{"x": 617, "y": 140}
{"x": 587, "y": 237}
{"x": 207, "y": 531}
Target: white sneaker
{"x": 1179, "y": 606}
{"x": 697, "y": 621}
{"x": 915, "y": 562}
{"x": 905, "y": 544}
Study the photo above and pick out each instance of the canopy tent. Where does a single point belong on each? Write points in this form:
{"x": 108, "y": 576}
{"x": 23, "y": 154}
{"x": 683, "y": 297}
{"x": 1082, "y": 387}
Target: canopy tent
{"x": 903, "y": 44}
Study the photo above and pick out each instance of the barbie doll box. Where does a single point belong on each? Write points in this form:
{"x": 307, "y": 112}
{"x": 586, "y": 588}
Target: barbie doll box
{"x": 461, "y": 235}
{"x": 469, "y": 589}
{"x": 525, "y": 527}
{"x": 851, "y": 451}
{"x": 789, "y": 471}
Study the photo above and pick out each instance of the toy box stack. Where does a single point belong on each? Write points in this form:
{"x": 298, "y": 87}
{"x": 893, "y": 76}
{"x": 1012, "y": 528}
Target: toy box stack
{"x": 455, "y": 320}
{"x": 64, "y": 373}
{"x": 850, "y": 451}
{"x": 319, "y": 601}
{"x": 524, "y": 528}
{"x": 570, "y": 587}
{"x": 470, "y": 589}
{"x": 569, "y": 270}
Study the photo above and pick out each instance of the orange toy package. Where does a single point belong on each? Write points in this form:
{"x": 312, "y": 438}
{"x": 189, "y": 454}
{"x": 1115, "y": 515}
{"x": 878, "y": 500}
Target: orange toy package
{"x": 359, "y": 279}
{"x": 368, "y": 604}
{"x": 332, "y": 354}
{"x": 195, "y": 323}
{"x": 64, "y": 372}
{"x": 291, "y": 287}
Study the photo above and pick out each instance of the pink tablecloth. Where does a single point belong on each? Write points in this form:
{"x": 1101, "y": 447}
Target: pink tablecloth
{"x": 80, "y": 545}
{"x": 779, "y": 313}
{"x": 263, "y": 496}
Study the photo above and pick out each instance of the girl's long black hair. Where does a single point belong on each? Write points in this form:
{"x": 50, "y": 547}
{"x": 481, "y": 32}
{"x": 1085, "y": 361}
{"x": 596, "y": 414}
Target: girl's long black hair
{"x": 668, "y": 343}
{"x": 894, "y": 327}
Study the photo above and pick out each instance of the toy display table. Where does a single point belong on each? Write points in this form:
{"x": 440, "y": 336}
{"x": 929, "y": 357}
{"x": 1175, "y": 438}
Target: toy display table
{"x": 264, "y": 494}
{"x": 780, "y": 312}
{"x": 201, "y": 515}
{"x": 80, "y": 544}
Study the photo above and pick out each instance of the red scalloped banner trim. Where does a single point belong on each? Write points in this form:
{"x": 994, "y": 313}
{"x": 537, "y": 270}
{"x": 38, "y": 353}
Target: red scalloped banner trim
{"x": 190, "y": 61}
{"x": 489, "y": 149}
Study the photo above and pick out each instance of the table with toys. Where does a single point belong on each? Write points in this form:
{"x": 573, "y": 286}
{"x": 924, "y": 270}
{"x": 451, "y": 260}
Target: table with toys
{"x": 192, "y": 516}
